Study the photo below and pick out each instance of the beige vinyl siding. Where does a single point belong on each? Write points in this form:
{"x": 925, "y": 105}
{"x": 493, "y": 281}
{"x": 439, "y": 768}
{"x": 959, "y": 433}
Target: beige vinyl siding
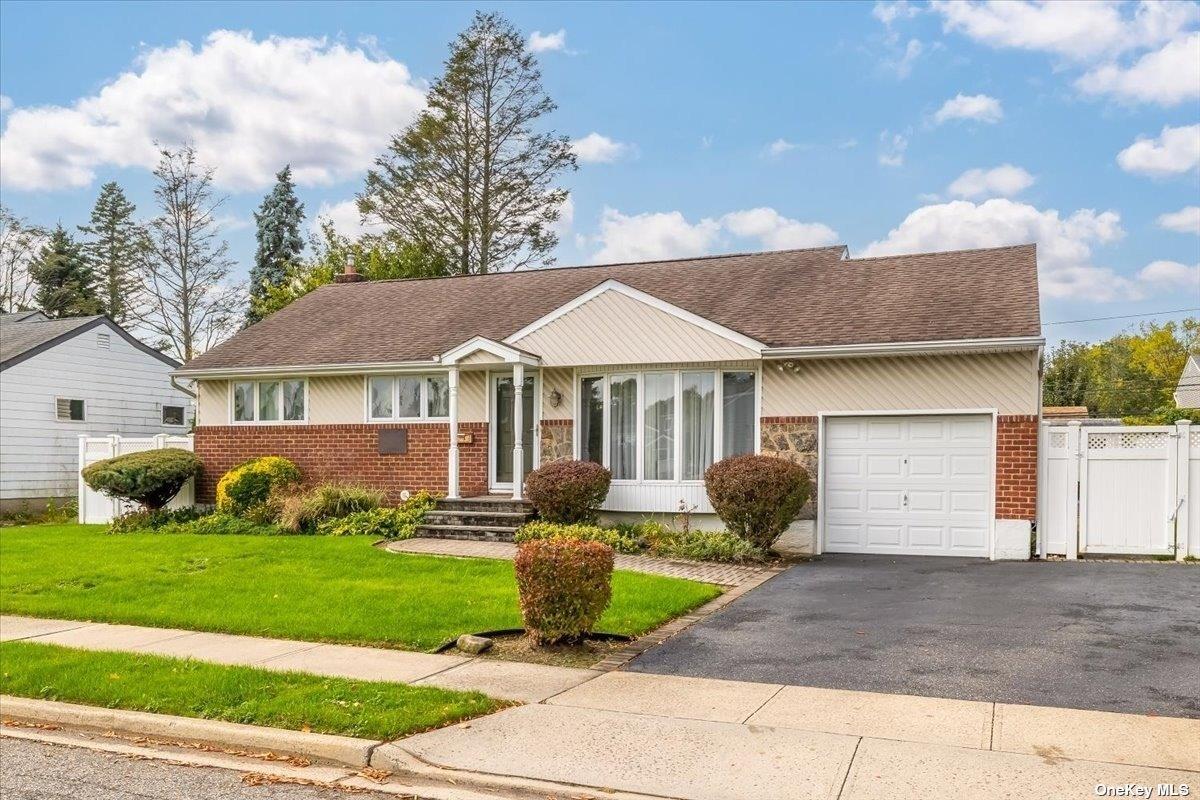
{"x": 336, "y": 400}
{"x": 212, "y": 402}
{"x": 613, "y": 328}
{"x": 481, "y": 357}
{"x": 472, "y": 396}
{"x": 1007, "y": 382}
{"x": 561, "y": 380}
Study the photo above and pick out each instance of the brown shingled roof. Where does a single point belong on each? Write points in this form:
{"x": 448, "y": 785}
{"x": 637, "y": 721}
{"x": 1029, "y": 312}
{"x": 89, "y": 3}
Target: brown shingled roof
{"x": 790, "y": 298}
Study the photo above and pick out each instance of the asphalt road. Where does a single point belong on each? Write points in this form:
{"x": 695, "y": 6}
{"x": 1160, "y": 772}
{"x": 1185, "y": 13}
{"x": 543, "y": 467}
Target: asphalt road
{"x": 36, "y": 771}
{"x": 1109, "y": 636}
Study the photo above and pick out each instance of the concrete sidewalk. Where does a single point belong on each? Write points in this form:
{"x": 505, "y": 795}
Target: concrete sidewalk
{"x": 622, "y": 734}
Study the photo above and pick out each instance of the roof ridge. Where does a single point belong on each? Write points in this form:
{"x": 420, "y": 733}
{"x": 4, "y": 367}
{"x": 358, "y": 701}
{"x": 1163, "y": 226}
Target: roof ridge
{"x": 710, "y": 257}
{"x": 946, "y": 252}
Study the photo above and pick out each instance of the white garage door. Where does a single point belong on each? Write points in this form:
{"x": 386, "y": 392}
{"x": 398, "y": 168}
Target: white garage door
{"x": 914, "y": 485}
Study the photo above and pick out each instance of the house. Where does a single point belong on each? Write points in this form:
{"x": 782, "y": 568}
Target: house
{"x": 64, "y": 378}
{"x": 1187, "y": 393}
{"x": 908, "y": 386}
{"x": 1064, "y": 413}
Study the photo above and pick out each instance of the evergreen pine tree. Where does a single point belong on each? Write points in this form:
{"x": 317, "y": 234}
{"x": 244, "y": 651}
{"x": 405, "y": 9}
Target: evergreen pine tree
{"x": 115, "y": 249}
{"x": 66, "y": 286}
{"x": 279, "y": 242}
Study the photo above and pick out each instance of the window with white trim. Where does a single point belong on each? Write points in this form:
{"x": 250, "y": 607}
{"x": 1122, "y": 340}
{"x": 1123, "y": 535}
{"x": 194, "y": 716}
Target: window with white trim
{"x": 408, "y": 397}
{"x": 270, "y": 401}
{"x": 666, "y": 425}
{"x": 70, "y": 409}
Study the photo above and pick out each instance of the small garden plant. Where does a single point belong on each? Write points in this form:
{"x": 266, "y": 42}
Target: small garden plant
{"x": 757, "y": 497}
{"x": 151, "y": 478}
{"x": 568, "y": 491}
{"x": 564, "y": 586}
{"x": 400, "y": 522}
{"x": 650, "y": 537}
{"x": 247, "y": 487}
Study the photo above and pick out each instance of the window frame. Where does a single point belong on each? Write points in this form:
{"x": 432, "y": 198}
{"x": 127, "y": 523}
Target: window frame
{"x": 393, "y": 378}
{"x": 83, "y": 403}
{"x": 233, "y": 384}
{"x": 717, "y": 373}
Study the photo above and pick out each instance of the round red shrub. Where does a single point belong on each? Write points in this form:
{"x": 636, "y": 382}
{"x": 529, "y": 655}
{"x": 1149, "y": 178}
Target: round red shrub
{"x": 757, "y": 497}
{"x": 565, "y": 585}
{"x": 568, "y": 491}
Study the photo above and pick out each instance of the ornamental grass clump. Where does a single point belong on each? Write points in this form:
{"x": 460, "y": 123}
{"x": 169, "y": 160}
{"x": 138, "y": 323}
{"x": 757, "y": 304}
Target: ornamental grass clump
{"x": 248, "y": 486}
{"x": 568, "y": 491}
{"x": 564, "y": 585}
{"x": 151, "y": 478}
{"x": 303, "y": 512}
{"x": 757, "y": 497}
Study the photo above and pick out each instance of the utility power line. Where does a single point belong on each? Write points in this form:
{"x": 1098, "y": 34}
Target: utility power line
{"x": 1119, "y": 316}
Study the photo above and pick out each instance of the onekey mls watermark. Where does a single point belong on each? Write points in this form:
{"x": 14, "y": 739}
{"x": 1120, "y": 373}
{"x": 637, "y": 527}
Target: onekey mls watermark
{"x": 1143, "y": 790}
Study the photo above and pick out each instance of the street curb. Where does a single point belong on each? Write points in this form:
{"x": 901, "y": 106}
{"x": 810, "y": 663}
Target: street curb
{"x": 325, "y": 747}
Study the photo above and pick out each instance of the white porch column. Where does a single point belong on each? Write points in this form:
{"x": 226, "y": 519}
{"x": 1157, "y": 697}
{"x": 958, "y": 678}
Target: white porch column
{"x": 518, "y": 429}
{"x": 452, "y": 480}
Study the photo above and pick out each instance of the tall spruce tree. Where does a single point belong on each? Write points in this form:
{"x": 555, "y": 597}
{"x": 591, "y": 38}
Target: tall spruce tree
{"x": 472, "y": 177}
{"x": 115, "y": 247}
{"x": 279, "y": 242}
{"x": 66, "y": 286}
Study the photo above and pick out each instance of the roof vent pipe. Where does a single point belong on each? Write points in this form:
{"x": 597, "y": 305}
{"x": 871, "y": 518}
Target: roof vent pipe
{"x": 350, "y": 274}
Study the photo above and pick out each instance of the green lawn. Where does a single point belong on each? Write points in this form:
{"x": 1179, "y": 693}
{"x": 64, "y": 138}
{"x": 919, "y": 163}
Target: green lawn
{"x": 317, "y": 588}
{"x": 188, "y": 688}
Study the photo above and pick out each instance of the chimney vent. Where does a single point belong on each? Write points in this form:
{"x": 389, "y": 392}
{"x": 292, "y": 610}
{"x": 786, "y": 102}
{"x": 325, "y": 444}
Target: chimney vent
{"x": 350, "y": 275}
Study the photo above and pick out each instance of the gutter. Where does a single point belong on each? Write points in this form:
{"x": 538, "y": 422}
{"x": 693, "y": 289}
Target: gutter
{"x": 305, "y": 369}
{"x": 907, "y": 348}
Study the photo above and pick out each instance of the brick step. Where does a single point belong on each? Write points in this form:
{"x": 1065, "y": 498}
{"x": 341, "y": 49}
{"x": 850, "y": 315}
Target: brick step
{"x": 502, "y": 504}
{"x": 474, "y": 533}
{"x": 487, "y": 519}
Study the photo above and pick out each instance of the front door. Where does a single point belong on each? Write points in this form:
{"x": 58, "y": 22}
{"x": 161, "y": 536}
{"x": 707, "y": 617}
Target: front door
{"x": 502, "y": 437}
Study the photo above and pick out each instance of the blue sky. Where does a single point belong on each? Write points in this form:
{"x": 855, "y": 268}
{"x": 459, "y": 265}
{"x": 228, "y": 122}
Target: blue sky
{"x": 889, "y": 127}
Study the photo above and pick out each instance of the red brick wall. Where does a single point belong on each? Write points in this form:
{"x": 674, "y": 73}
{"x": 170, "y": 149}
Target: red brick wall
{"x": 347, "y": 453}
{"x": 1016, "y": 467}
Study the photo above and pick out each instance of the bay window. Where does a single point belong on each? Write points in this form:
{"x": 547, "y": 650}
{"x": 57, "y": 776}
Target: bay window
{"x": 408, "y": 397}
{"x": 270, "y": 401}
{"x": 666, "y": 425}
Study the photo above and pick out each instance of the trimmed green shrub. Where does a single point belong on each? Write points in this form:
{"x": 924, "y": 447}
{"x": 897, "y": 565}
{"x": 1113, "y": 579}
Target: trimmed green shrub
{"x": 568, "y": 491}
{"x": 252, "y": 483}
{"x": 709, "y": 546}
{"x": 384, "y": 523}
{"x": 151, "y": 477}
{"x": 144, "y": 520}
{"x": 757, "y": 497}
{"x": 620, "y": 540}
{"x": 565, "y": 585}
{"x": 303, "y": 512}
{"x": 219, "y": 524}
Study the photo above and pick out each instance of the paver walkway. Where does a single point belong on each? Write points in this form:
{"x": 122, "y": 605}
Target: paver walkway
{"x": 621, "y": 734}
{"x": 720, "y": 574}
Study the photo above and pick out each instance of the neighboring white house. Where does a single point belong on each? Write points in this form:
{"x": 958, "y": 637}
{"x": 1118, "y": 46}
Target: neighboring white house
{"x": 1187, "y": 393}
{"x": 63, "y": 378}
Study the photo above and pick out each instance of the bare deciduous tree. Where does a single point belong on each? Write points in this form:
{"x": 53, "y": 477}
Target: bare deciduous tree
{"x": 190, "y": 304}
{"x": 20, "y": 243}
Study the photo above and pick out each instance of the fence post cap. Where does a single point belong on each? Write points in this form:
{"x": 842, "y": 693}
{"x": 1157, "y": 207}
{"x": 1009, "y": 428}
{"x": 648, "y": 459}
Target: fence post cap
{"x": 1183, "y": 422}
{"x": 1075, "y": 422}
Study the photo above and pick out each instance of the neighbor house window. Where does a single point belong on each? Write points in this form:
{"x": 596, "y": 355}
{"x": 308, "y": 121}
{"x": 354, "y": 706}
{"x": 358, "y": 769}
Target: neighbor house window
{"x": 666, "y": 425}
{"x": 69, "y": 409}
{"x": 172, "y": 415}
{"x": 408, "y": 397}
{"x": 269, "y": 401}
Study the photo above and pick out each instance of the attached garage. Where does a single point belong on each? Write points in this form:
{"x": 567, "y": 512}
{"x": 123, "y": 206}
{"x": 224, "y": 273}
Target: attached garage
{"x": 908, "y": 485}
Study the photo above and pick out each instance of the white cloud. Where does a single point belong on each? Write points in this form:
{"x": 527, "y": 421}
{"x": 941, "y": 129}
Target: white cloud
{"x": 979, "y": 107}
{"x": 777, "y": 232}
{"x": 1174, "y": 151}
{"x": 548, "y": 42}
{"x": 780, "y": 146}
{"x": 889, "y": 12}
{"x": 6, "y": 103}
{"x": 1064, "y": 244}
{"x": 846, "y": 144}
{"x": 250, "y": 106}
{"x": 903, "y": 64}
{"x": 1171, "y": 275}
{"x": 598, "y": 149}
{"x": 1079, "y": 31}
{"x": 566, "y": 218}
{"x": 346, "y": 220}
{"x": 892, "y": 147}
{"x": 1185, "y": 220}
{"x": 1002, "y": 181}
{"x": 652, "y": 236}
{"x": 661, "y": 235}
{"x": 1168, "y": 77}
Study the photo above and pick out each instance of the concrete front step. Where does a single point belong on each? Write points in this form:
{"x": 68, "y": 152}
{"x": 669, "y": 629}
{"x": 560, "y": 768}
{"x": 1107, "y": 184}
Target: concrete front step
{"x": 482, "y": 519}
{"x": 497, "y": 503}
{"x": 474, "y": 533}
{"x": 486, "y": 519}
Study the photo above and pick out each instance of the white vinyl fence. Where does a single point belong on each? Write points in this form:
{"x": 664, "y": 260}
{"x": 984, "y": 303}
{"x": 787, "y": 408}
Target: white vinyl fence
{"x": 95, "y": 507}
{"x": 1119, "y": 490}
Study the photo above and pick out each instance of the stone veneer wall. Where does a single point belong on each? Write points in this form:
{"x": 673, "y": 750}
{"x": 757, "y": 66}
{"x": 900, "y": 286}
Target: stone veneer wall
{"x": 348, "y": 453}
{"x": 793, "y": 438}
{"x": 556, "y": 440}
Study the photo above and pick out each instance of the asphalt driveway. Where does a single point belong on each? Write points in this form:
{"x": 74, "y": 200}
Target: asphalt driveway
{"x": 1109, "y": 636}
